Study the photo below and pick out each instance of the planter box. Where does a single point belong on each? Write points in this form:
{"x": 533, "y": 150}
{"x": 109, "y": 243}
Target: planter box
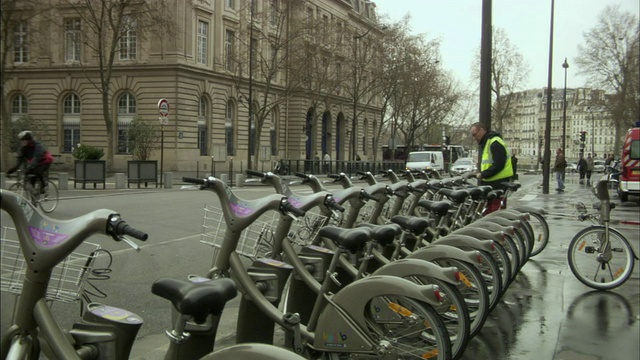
{"x": 142, "y": 171}
{"x": 90, "y": 171}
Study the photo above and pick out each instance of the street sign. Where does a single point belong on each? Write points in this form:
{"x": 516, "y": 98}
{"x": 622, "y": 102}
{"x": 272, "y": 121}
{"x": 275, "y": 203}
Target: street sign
{"x": 163, "y": 107}
{"x": 163, "y": 120}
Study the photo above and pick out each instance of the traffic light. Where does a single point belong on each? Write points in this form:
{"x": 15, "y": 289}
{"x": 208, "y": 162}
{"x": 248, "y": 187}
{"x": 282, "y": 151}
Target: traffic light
{"x": 583, "y": 136}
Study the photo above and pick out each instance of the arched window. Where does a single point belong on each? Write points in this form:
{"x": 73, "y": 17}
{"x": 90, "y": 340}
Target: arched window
{"x": 18, "y": 107}
{"x": 126, "y": 113}
{"x": 229, "y": 137}
{"x": 203, "y": 111}
{"x": 70, "y": 122}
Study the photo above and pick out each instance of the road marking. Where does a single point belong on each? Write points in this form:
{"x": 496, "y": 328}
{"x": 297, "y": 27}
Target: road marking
{"x": 528, "y": 197}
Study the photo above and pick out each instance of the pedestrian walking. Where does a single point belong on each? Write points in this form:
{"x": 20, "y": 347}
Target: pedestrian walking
{"x": 558, "y": 167}
{"x": 327, "y": 163}
{"x": 582, "y": 168}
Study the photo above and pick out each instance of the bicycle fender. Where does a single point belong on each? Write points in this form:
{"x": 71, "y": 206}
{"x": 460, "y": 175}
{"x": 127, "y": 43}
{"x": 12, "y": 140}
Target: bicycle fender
{"x": 355, "y": 298}
{"x": 479, "y": 233}
{"x": 417, "y": 267}
{"x": 509, "y": 214}
{"x": 530, "y": 209}
{"x": 435, "y": 251}
{"x": 253, "y": 351}
{"x": 462, "y": 241}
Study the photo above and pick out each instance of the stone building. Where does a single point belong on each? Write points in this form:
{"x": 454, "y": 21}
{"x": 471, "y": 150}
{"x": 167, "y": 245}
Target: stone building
{"x": 524, "y": 130}
{"x": 202, "y": 69}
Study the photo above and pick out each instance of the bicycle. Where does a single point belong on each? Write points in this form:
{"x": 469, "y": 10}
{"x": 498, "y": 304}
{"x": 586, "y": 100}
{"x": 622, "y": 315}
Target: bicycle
{"x": 46, "y": 199}
{"x": 600, "y": 256}
{"x": 45, "y": 258}
{"x": 385, "y": 317}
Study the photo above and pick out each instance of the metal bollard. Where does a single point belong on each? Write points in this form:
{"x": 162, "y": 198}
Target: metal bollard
{"x": 63, "y": 181}
{"x": 239, "y": 180}
{"x": 3, "y": 180}
{"x": 168, "y": 180}
{"x": 120, "y": 180}
{"x": 224, "y": 178}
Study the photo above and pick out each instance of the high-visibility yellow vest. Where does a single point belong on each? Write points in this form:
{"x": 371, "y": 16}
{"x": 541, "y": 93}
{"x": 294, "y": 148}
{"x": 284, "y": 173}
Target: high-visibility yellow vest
{"x": 487, "y": 161}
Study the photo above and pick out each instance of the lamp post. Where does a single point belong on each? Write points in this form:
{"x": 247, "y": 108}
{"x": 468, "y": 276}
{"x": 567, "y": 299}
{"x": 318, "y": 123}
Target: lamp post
{"x": 565, "y": 65}
{"x": 593, "y": 131}
{"x": 356, "y": 95}
{"x": 251, "y": 50}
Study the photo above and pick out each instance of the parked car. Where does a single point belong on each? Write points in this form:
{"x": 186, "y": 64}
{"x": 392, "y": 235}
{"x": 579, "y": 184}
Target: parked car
{"x": 572, "y": 167}
{"x": 598, "y": 166}
{"x": 462, "y": 165}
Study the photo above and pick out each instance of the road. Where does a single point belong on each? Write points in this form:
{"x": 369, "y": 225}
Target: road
{"x": 545, "y": 314}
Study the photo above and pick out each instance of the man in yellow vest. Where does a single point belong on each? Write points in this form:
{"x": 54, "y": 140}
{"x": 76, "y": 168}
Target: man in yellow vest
{"x": 495, "y": 161}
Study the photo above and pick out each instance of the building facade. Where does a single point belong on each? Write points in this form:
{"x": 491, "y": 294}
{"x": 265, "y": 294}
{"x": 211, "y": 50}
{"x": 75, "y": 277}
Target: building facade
{"x": 524, "y": 130}
{"x": 219, "y": 57}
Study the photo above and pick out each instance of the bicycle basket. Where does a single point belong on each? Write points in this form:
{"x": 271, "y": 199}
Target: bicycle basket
{"x": 67, "y": 279}
{"x": 306, "y": 229}
{"x": 255, "y": 242}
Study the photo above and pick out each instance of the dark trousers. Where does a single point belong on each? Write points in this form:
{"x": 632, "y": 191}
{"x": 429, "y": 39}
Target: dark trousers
{"x": 582, "y": 174}
{"x": 588, "y": 173}
{"x": 38, "y": 173}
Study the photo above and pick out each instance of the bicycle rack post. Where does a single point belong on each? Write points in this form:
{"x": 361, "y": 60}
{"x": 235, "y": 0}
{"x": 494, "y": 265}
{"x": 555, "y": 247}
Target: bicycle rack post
{"x": 253, "y": 325}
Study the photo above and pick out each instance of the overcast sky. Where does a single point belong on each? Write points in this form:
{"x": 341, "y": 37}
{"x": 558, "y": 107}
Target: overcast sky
{"x": 526, "y": 22}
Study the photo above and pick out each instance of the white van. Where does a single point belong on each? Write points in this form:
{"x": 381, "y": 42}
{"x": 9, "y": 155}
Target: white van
{"x": 425, "y": 160}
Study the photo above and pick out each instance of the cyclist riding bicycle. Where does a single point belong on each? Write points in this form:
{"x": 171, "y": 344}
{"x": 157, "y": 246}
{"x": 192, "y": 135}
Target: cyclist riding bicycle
{"x": 35, "y": 156}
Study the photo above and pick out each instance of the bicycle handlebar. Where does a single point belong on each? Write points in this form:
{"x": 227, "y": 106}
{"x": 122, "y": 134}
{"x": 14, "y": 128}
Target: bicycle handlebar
{"x": 301, "y": 175}
{"x": 120, "y": 227}
{"x": 255, "y": 173}
{"x": 196, "y": 181}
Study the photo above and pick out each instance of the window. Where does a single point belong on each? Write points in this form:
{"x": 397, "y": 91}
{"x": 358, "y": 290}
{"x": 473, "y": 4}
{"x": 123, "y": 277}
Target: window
{"x": 228, "y": 129}
{"x": 229, "y": 45}
{"x": 70, "y": 123}
{"x": 231, "y": 4}
{"x": 274, "y": 63}
{"x": 202, "y": 126}
{"x": 20, "y": 49}
{"x": 325, "y": 28}
{"x": 18, "y": 107}
{"x": 126, "y": 113}
{"x": 72, "y": 40}
{"x": 310, "y": 21}
{"x": 273, "y": 15}
{"x": 364, "y": 137}
{"x": 203, "y": 33}
{"x": 254, "y": 7}
{"x": 128, "y": 41}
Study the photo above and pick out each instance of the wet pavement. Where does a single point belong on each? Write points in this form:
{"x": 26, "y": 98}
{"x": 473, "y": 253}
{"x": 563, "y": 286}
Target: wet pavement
{"x": 545, "y": 314}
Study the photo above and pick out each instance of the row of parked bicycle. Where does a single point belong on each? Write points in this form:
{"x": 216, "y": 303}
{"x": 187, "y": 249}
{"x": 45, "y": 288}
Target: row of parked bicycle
{"x": 399, "y": 270}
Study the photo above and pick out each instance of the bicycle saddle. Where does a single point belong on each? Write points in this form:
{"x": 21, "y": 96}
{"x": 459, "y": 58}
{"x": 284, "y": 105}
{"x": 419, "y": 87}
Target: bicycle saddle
{"x": 196, "y": 299}
{"x": 383, "y": 234}
{"x": 350, "y": 239}
{"x": 416, "y": 225}
{"x": 439, "y": 208}
{"x": 476, "y": 193}
{"x": 456, "y": 195}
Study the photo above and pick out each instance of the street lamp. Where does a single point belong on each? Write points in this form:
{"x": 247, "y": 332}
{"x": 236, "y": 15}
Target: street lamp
{"x": 565, "y": 65}
{"x": 593, "y": 131}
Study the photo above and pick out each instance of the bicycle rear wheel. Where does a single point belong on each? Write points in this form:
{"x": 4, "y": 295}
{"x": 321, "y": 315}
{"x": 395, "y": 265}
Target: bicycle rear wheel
{"x": 49, "y": 200}
{"x": 598, "y": 269}
{"x": 411, "y": 328}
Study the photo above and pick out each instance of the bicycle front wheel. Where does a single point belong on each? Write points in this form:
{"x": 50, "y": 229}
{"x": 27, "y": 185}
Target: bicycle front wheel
{"x": 49, "y": 200}
{"x": 540, "y": 231}
{"x": 411, "y": 328}
{"x": 596, "y": 267}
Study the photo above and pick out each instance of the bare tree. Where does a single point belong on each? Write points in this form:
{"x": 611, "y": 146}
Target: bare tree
{"x": 509, "y": 72}
{"x": 418, "y": 95}
{"x": 104, "y": 24}
{"x": 262, "y": 60}
{"x": 609, "y": 58}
